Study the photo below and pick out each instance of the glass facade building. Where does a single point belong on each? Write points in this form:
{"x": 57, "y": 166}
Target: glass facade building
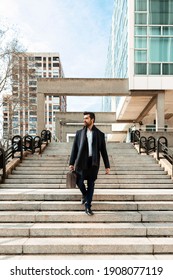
{"x": 141, "y": 45}
{"x": 153, "y": 37}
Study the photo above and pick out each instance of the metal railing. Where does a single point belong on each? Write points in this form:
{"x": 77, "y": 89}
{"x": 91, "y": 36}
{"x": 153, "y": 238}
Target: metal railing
{"x": 145, "y": 145}
{"x": 19, "y": 144}
{"x": 46, "y": 136}
{"x": 163, "y": 151}
{"x": 160, "y": 146}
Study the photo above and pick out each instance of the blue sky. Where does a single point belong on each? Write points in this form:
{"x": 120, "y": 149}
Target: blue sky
{"x": 78, "y": 29}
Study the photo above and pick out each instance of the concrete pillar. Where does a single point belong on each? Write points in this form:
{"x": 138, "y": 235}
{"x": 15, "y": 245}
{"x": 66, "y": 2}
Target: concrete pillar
{"x": 160, "y": 112}
{"x": 40, "y": 112}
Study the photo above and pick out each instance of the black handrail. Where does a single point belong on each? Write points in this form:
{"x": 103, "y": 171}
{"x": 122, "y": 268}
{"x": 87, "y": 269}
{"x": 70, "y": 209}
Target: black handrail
{"x": 17, "y": 146}
{"x": 27, "y": 143}
{"x": 162, "y": 148}
{"x": 37, "y": 143}
{"x": 2, "y": 164}
{"x": 135, "y": 136}
{"x": 46, "y": 136}
{"x": 143, "y": 145}
{"x": 151, "y": 144}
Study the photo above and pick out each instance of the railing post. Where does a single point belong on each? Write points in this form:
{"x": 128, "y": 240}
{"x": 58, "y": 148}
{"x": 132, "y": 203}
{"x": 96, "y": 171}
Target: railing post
{"x": 151, "y": 144}
{"x": 135, "y": 136}
{"x": 37, "y": 143}
{"x": 44, "y": 136}
{"x": 17, "y": 139}
{"x": 161, "y": 141}
{"x": 28, "y": 143}
{"x": 2, "y": 163}
{"x": 49, "y": 134}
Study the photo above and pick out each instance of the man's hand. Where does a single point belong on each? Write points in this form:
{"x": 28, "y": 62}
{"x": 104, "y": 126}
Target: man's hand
{"x": 71, "y": 167}
{"x": 107, "y": 170}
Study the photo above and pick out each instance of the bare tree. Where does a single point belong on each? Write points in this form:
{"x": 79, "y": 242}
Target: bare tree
{"x": 10, "y": 48}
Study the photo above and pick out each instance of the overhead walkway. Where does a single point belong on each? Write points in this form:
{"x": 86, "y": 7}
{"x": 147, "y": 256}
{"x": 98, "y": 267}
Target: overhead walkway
{"x": 133, "y": 208}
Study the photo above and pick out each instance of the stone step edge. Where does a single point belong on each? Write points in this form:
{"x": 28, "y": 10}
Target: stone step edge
{"x": 85, "y": 229}
{"x": 127, "y": 245}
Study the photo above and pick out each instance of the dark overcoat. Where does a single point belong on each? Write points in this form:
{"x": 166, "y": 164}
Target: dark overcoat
{"x": 79, "y": 154}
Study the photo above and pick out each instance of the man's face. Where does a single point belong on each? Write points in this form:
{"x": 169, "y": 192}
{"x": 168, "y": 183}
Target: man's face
{"x": 87, "y": 120}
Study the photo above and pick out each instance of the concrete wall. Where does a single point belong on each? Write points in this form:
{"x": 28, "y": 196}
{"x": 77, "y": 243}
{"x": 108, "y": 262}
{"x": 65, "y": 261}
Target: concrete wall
{"x": 70, "y": 122}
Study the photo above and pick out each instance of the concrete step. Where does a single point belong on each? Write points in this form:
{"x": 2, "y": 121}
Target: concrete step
{"x": 37, "y": 180}
{"x": 68, "y": 217}
{"x": 97, "y": 186}
{"x": 111, "y": 177}
{"x": 81, "y": 217}
{"x": 85, "y": 229}
{"x": 76, "y": 206}
{"x": 94, "y": 245}
{"x": 28, "y": 171}
{"x": 117, "y": 168}
{"x": 133, "y": 206}
{"x": 74, "y": 194}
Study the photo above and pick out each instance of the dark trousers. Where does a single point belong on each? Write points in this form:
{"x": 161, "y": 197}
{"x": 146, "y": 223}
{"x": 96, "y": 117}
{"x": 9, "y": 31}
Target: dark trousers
{"x": 90, "y": 175}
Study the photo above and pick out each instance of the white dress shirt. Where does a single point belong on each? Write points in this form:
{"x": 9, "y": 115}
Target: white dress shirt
{"x": 90, "y": 140}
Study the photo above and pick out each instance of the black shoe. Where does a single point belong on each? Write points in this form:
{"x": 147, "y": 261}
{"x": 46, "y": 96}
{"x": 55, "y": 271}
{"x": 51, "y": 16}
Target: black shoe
{"x": 89, "y": 212}
{"x": 83, "y": 199}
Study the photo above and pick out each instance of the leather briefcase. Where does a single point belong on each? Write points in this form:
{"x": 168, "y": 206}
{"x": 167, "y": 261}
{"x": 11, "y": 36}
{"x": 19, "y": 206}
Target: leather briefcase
{"x": 71, "y": 180}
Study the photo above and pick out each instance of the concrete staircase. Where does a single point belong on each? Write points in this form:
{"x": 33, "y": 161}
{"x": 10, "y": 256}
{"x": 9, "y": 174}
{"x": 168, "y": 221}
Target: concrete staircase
{"x": 133, "y": 208}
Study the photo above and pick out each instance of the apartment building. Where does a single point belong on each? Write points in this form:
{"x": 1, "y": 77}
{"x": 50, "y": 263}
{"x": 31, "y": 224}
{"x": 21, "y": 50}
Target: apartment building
{"x": 141, "y": 50}
{"x": 27, "y": 68}
{"x": 7, "y": 116}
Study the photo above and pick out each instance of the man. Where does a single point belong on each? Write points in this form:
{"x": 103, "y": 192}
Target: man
{"x": 89, "y": 142}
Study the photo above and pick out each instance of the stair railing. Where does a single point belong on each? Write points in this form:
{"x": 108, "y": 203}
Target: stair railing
{"x": 17, "y": 147}
{"x": 2, "y": 164}
{"x": 135, "y": 136}
{"x": 5, "y": 157}
{"x": 27, "y": 143}
{"x": 163, "y": 151}
{"x": 37, "y": 143}
{"x": 46, "y": 136}
{"x": 143, "y": 145}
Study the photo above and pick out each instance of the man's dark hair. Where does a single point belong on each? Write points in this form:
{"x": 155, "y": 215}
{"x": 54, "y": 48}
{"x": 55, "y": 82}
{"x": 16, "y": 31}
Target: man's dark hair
{"x": 92, "y": 115}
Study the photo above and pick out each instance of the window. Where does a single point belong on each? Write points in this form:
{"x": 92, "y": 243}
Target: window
{"x": 154, "y": 68}
{"x": 156, "y": 30}
{"x": 55, "y": 64}
{"x": 33, "y": 113}
{"x": 161, "y": 49}
{"x": 141, "y": 18}
{"x": 56, "y": 58}
{"x": 32, "y": 83}
{"x": 56, "y": 107}
{"x": 168, "y": 30}
{"x": 141, "y": 42}
{"x": 33, "y": 119}
{"x": 140, "y": 68}
{"x": 161, "y": 12}
{"x": 140, "y": 5}
{"x": 141, "y": 30}
{"x": 141, "y": 56}
{"x": 153, "y": 40}
{"x": 38, "y": 64}
{"x": 167, "y": 69}
{"x": 38, "y": 58}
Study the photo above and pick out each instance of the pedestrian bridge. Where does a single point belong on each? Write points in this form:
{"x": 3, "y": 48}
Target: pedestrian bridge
{"x": 137, "y": 103}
